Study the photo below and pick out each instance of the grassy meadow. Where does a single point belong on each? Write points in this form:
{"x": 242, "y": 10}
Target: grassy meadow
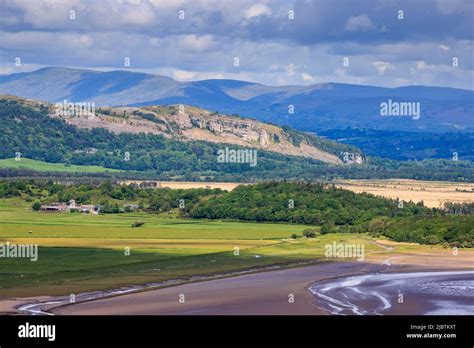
{"x": 26, "y": 163}
{"x": 82, "y": 252}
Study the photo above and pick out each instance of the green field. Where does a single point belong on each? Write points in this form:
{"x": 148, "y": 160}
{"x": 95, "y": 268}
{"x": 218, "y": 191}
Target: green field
{"x": 26, "y": 163}
{"x": 17, "y": 220}
{"x": 81, "y": 252}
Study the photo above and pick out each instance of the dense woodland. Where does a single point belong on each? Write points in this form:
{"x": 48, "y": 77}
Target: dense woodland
{"x": 331, "y": 209}
{"x": 305, "y": 203}
{"x": 37, "y": 136}
{"x": 456, "y": 230}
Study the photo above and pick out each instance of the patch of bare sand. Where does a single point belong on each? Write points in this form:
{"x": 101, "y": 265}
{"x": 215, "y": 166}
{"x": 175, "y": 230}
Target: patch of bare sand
{"x": 434, "y": 259}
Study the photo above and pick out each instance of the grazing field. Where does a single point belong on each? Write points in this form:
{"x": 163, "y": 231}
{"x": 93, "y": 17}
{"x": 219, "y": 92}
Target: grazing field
{"x": 80, "y": 252}
{"x": 26, "y": 163}
{"x": 433, "y": 193}
{"x": 83, "y": 252}
{"x": 85, "y": 265}
{"x": 17, "y": 220}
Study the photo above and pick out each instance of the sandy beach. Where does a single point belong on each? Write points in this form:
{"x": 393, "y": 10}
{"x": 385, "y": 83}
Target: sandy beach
{"x": 267, "y": 292}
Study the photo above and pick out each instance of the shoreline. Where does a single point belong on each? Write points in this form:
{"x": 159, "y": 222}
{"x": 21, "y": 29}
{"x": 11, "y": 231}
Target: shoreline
{"x": 257, "y": 291}
{"x": 18, "y": 306}
{"x": 264, "y": 293}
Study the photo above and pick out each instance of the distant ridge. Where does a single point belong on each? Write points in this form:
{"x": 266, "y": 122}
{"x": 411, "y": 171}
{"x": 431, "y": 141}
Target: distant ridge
{"x": 315, "y": 107}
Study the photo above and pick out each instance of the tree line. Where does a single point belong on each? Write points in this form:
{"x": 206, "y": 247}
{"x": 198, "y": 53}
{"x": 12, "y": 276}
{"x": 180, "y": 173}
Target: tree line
{"x": 324, "y": 207}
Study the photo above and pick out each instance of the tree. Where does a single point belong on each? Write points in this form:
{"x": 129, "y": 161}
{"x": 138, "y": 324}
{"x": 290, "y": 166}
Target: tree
{"x": 309, "y": 233}
{"x": 36, "y": 205}
{"x": 326, "y": 228}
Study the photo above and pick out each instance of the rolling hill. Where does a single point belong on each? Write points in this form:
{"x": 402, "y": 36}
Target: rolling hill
{"x": 188, "y": 123}
{"x": 160, "y": 142}
{"x": 316, "y": 107}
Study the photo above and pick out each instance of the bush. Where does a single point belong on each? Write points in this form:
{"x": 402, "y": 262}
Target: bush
{"x": 431, "y": 239}
{"x": 138, "y": 224}
{"x": 294, "y": 236}
{"x": 36, "y": 205}
{"x": 326, "y": 228}
{"x": 309, "y": 233}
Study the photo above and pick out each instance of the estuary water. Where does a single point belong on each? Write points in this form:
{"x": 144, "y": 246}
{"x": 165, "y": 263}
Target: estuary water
{"x": 423, "y": 293}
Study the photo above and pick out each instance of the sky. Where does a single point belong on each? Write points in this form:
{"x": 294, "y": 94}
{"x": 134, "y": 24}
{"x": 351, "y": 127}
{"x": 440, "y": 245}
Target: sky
{"x": 387, "y": 43}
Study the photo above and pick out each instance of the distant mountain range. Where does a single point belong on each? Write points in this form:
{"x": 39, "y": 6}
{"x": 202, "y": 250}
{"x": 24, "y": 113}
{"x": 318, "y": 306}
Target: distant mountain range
{"x": 310, "y": 108}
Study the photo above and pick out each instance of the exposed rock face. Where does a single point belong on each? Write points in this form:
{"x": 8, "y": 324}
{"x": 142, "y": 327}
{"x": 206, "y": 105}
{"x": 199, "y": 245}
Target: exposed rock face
{"x": 246, "y": 130}
{"x": 263, "y": 138}
{"x": 188, "y": 123}
{"x": 191, "y": 123}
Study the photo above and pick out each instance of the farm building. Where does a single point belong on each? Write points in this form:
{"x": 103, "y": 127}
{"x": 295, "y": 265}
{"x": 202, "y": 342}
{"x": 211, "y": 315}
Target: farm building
{"x": 71, "y": 206}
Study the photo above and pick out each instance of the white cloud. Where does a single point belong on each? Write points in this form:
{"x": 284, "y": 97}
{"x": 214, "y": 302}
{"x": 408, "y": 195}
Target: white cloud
{"x": 272, "y": 49}
{"x": 196, "y": 43}
{"x": 182, "y": 75}
{"x": 382, "y": 67}
{"x": 421, "y": 65}
{"x": 137, "y": 15}
{"x": 359, "y": 23}
{"x": 290, "y": 69}
{"x": 257, "y": 10}
{"x": 307, "y": 77}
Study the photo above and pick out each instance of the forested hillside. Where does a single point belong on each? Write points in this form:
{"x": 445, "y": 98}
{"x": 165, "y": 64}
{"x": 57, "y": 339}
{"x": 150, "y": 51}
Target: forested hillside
{"x": 35, "y": 135}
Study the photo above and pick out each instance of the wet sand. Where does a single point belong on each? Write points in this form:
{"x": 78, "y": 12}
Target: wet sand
{"x": 260, "y": 293}
{"x": 267, "y": 292}
{"x": 445, "y": 293}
